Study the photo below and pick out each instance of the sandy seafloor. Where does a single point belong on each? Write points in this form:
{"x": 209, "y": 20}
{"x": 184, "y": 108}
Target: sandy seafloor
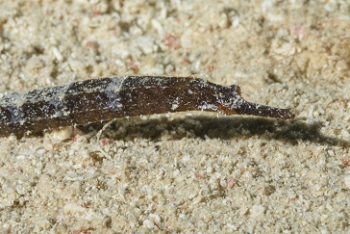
{"x": 186, "y": 172}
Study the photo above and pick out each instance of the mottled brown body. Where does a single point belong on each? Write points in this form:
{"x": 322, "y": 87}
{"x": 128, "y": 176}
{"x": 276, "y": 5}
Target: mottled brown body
{"x": 107, "y": 98}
